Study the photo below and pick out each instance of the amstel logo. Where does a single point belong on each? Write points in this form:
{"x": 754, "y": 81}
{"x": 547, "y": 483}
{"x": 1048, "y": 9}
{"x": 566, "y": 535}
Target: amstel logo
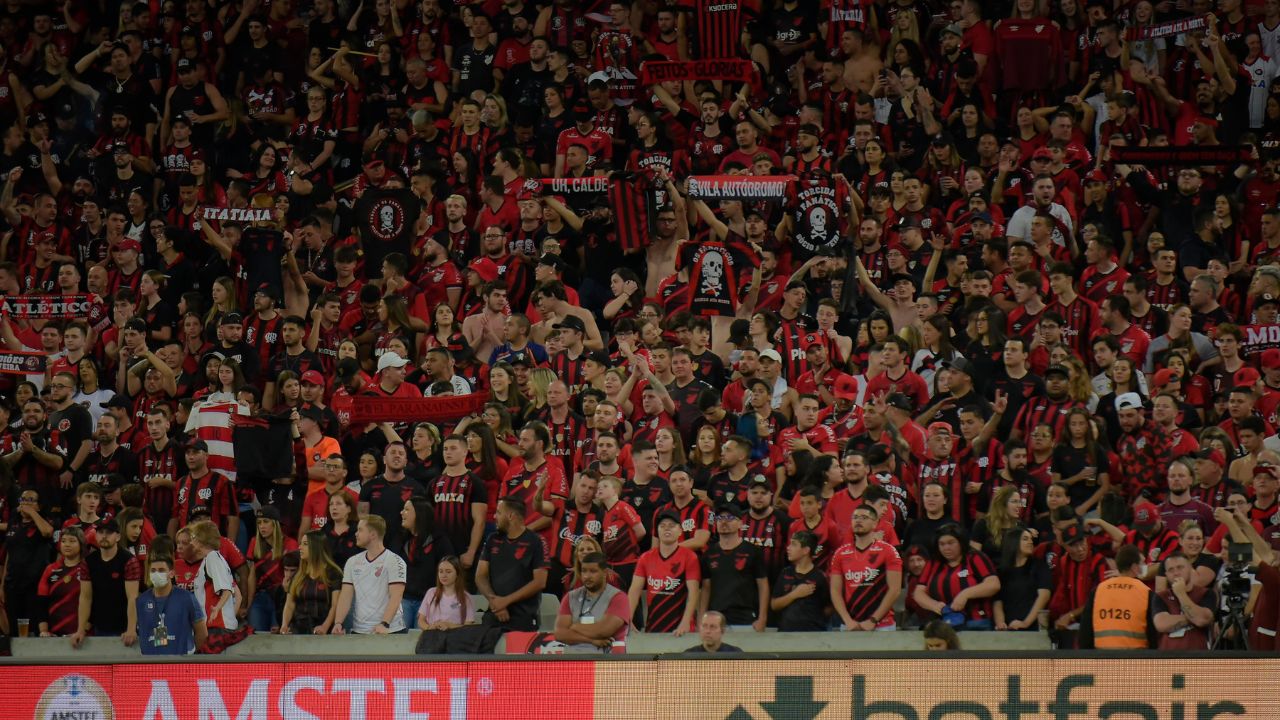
{"x": 74, "y": 697}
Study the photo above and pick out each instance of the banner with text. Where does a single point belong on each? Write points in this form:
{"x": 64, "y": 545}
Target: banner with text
{"x": 653, "y": 72}
{"x": 1203, "y": 155}
{"x": 1165, "y": 29}
{"x": 47, "y": 307}
{"x": 1258, "y": 338}
{"x": 429, "y": 409}
{"x": 858, "y": 688}
{"x": 17, "y": 362}
{"x": 739, "y": 187}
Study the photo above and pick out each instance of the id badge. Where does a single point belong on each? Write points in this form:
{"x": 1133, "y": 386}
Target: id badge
{"x": 1178, "y": 633}
{"x": 587, "y": 620}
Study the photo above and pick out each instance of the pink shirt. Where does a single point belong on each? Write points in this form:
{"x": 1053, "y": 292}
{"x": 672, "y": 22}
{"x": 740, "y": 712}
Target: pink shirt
{"x": 449, "y": 609}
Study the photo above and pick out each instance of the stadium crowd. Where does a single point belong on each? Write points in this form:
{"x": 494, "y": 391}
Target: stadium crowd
{"x": 327, "y": 316}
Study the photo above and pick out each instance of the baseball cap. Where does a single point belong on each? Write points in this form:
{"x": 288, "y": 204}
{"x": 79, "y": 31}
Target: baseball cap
{"x": 1266, "y": 299}
{"x": 846, "y": 388}
{"x": 1270, "y": 359}
{"x": 390, "y": 359}
{"x": 269, "y": 290}
{"x": 232, "y": 318}
{"x": 1246, "y": 376}
{"x": 118, "y": 401}
{"x": 1212, "y": 455}
{"x": 758, "y": 480}
{"x": 598, "y": 357}
{"x": 954, "y": 29}
{"x": 268, "y": 512}
{"x": 770, "y": 354}
{"x": 1129, "y": 401}
{"x": 730, "y": 508}
{"x": 1058, "y": 370}
{"x": 520, "y": 357}
{"x": 1163, "y": 377}
{"x": 485, "y": 268}
{"x": 896, "y": 278}
{"x": 312, "y": 377}
{"x": 197, "y": 446}
{"x": 671, "y": 515}
{"x": 938, "y": 428}
{"x": 1145, "y": 514}
{"x": 1042, "y": 153}
{"x": 1267, "y": 470}
{"x": 1073, "y": 535}
{"x": 459, "y": 348}
{"x": 900, "y": 401}
{"x": 185, "y": 64}
{"x": 983, "y": 217}
{"x": 129, "y": 244}
{"x": 960, "y": 365}
{"x": 571, "y": 322}
{"x": 553, "y": 260}
{"x": 1095, "y": 176}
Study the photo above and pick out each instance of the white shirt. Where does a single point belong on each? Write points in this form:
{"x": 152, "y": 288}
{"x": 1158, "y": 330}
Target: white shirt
{"x": 1020, "y": 223}
{"x": 371, "y": 581}
{"x": 460, "y": 386}
{"x": 212, "y": 579}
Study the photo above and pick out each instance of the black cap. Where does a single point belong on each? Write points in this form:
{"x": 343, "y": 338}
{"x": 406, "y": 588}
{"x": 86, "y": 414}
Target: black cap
{"x": 553, "y": 260}
{"x": 268, "y": 512}
{"x": 671, "y": 515}
{"x": 599, "y": 357}
{"x": 900, "y": 401}
{"x": 758, "y": 480}
{"x": 232, "y": 318}
{"x": 311, "y": 412}
{"x": 521, "y": 357}
{"x": 1073, "y": 535}
{"x": 459, "y": 347}
{"x": 730, "y": 508}
{"x": 572, "y": 322}
{"x": 197, "y": 445}
{"x": 118, "y": 401}
{"x": 185, "y": 64}
{"x": 1057, "y": 370}
{"x": 269, "y": 290}
{"x": 896, "y": 278}
{"x": 1266, "y": 299}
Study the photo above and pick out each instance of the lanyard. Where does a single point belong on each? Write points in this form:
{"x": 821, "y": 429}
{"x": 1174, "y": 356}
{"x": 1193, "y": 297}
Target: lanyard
{"x": 583, "y": 610}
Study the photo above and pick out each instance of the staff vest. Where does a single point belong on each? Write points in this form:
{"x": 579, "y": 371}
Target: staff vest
{"x": 1120, "y": 607}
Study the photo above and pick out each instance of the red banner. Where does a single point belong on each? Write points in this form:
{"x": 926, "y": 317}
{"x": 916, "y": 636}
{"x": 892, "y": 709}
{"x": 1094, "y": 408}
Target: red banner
{"x": 1258, "y": 338}
{"x": 740, "y": 187}
{"x": 16, "y": 362}
{"x": 367, "y": 409}
{"x": 653, "y": 72}
{"x": 47, "y": 307}
{"x": 301, "y": 690}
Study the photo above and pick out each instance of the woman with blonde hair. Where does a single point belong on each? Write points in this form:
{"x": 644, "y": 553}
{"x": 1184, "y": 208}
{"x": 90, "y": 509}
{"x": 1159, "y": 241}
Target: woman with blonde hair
{"x": 312, "y": 598}
{"x": 540, "y": 380}
{"x": 267, "y": 549}
{"x": 223, "y": 294}
{"x": 1080, "y": 383}
{"x": 586, "y": 545}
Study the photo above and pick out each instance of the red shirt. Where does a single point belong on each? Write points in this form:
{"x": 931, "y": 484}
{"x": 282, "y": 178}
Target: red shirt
{"x": 826, "y": 534}
{"x": 864, "y": 575}
{"x": 666, "y": 582}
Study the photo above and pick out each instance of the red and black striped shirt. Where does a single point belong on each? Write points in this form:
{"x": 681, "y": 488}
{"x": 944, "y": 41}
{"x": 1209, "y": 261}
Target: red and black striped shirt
{"x": 167, "y": 464}
{"x": 944, "y": 581}
{"x": 864, "y": 575}
{"x": 694, "y": 516}
{"x": 946, "y": 473}
{"x": 792, "y": 338}
{"x": 567, "y": 368}
{"x": 618, "y": 534}
{"x": 768, "y": 533}
{"x": 667, "y": 581}
{"x": 719, "y": 26}
{"x": 453, "y": 496}
{"x": 570, "y": 525}
{"x": 212, "y": 492}
{"x": 1044, "y": 411}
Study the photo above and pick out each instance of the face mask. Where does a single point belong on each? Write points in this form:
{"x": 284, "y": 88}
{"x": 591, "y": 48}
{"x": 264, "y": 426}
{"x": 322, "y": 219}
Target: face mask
{"x": 159, "y": 579}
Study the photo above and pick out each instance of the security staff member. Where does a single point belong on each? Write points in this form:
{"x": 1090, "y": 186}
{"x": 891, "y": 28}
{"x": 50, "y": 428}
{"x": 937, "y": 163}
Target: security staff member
{"x": 1121, "y": 614}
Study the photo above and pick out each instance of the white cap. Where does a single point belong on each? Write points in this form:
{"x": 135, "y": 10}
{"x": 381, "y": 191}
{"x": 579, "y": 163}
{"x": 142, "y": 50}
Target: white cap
{"x": 771, "y": 354}
{"x": 390, "y": 359}
{"x": 1129, "y": 401}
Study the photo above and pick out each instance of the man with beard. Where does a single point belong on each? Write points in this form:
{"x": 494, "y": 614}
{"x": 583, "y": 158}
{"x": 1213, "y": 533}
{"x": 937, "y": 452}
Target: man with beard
{"x": 74, "y": 426}
{"x": 866, "y": 576}
{"x": 765, "y": 526}
{"x": 594, "y": 617}
{"x": 110, "y": 465}
{"x": 387, "y": 493}
{"x": 37, "y": 459}
{"x": 1144, "y": 452}
{"x": 570, "y": 522}
{"x": 512, "y": 571}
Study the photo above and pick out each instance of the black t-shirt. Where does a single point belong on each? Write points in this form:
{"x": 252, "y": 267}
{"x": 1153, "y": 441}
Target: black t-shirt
{"x": 1069, "y": 460}
{"x": 108, "y": 615}
{"x": 248, "y": 358}
{"x": 29, "y": 553}
{"x": 733, "y": 574}
{"x": 386, "y": 500}
{"x": 421, "y": 560}
{"x": 511, "y": 567}
{"x": 808, "y": 613}
{"x": 474, "y": 67}
{"x": 1019, "y": 586}
{"x": 264, "y": 248}
{"x": 74, "y": 425}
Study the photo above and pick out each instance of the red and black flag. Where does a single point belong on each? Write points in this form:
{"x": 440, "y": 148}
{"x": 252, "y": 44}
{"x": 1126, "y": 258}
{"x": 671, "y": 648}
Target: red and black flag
{"x": 631, "y": 200}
